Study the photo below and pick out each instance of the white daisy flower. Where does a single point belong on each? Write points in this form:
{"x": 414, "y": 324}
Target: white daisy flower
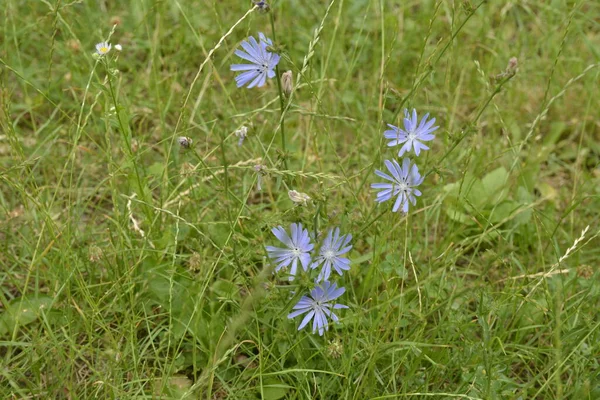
{"x": 103, "y": 48}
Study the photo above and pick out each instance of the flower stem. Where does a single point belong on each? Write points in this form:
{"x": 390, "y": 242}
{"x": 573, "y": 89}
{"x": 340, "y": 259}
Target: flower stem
{"x": 281, "y": 98}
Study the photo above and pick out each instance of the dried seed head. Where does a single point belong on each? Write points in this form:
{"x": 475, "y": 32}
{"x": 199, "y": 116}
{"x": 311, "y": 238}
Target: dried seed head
{"x": 335, "y": 348}
{"x": 94, "y": 253}
{"x": 74, "y": 44}
{"x": 115, "y": 20}
{"x": 585, "y": 271}
{"x": 195, "y": 262}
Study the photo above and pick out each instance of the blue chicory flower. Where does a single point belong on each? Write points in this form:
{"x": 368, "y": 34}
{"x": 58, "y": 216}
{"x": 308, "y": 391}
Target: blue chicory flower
{"x": 262, "y": 65}
{"x": 319, "y": 306}
{"x": 334, "y": 246}
{"x": 412, "y": 135}
{"x": 404, "y": 182}
{"x": 298, "y": 248}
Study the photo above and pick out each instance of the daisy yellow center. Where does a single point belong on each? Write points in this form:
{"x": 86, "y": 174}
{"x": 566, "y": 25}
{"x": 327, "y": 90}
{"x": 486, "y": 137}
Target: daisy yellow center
{"x": 103, "y": 49}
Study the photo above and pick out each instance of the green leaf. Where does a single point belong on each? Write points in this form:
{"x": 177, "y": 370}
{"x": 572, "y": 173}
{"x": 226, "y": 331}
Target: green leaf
{"x": 274, "y": 390}
{"x": 476, "y": 194}
{"x": 458, "y": 216}
{"x": 22, "y": 311}
{"x": 503, "y": 211}
{"x": 156, "y": 169}
{"x": 226, "y": 289}
{"x": 494, "y": 182}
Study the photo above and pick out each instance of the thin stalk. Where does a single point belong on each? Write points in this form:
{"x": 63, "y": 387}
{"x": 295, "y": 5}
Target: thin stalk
{"x": 127, "y": 139}
{"x": 281, "y": 98}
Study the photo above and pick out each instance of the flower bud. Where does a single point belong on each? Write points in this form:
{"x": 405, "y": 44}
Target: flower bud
{"x": 185, "y": 142}
{"x": 287, "y": 83}
{"x": 260, "y": 170}
{"x": 298, "y": 197}
{"x": 262, "y": 5}
{"x": 511, "y": 68}
{"x": 241, "y": 134}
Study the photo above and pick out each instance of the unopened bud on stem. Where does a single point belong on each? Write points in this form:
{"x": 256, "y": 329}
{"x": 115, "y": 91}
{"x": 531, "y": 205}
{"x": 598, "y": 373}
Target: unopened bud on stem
{"x": 287, "y": 83}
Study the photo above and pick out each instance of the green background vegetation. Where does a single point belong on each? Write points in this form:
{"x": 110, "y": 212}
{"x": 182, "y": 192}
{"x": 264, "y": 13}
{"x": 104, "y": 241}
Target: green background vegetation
{"x": 134, "y": 269}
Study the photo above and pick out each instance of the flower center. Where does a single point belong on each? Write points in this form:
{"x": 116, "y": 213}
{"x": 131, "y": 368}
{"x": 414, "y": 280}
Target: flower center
{"x": 296, "y": 252}
{"x": 412, "y": 136}
{"x": 329, "y": 253}
{"x": 263, "y": 68}
{"x": 402, "y": 186}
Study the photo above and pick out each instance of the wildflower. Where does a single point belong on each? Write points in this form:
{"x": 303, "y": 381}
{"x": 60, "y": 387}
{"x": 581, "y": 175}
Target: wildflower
{"x": 287, "y": 83}
{"x": 262, "y": 5}
{"x": 333, "y": 247}
{"x": 298, "y": 248}
{"x": 298, "y": 197}
{"x": 241, "y": 134}
{"x": 319, "y": 307}
{"x": 102, "y": 48}
{"x": 185, "y": 142}
{"x": 118, "y": 47}
{"x": 411, "y": 135}
{"x": 405, "y": 180}
{"x": 262, "y": 65}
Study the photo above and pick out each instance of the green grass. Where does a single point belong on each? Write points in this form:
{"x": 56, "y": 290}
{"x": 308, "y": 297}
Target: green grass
{"x": 132, "y": 268}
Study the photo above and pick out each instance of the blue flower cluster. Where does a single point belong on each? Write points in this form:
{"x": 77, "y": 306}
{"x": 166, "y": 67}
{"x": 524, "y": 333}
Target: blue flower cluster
{"x": 404, "y": 179}
{"x": 262, "y": 62}
{"x": 298, "y": 250}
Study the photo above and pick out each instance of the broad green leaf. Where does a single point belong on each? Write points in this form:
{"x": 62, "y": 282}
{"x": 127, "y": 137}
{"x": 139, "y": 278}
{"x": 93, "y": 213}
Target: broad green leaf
{"x": 459, "y": 216}
{"x": 503, "y": 211}
{"x": 476, "y": 194}
{"x": 274, "y": 390}
{"x": 494, "y": 183}
{"x": 23, "y": 312}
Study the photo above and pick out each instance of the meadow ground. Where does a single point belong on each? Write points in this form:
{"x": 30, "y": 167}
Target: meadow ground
{"x": 135, "y": 263}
